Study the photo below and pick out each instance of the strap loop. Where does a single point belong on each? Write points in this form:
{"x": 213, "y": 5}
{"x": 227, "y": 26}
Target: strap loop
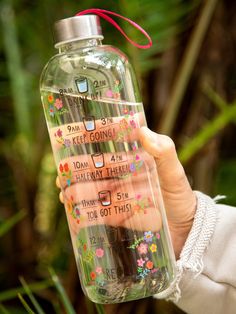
{"x": 105, "y": 15}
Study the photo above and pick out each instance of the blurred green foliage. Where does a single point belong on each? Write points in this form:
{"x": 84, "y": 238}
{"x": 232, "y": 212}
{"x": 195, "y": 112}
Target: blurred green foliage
{"x": 201, "y": 87}
{"x": 225, "y": 180}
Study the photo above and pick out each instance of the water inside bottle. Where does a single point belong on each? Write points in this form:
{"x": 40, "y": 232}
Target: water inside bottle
{"x": 121, "y": 265}
{"x": 112, "y": 196}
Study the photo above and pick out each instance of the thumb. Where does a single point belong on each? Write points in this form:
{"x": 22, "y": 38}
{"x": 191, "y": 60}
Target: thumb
{"x": 178, "y": 197}
{"x": 162, "y": 148}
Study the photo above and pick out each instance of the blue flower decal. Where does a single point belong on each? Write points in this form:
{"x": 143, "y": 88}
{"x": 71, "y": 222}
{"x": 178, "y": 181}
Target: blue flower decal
{"x": 51, "y": 111}
{"x": 148, "y": 235}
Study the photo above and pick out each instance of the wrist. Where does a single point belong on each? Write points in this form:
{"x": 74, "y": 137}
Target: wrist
{"x": 179, "y": 231}
{"x": 191, "y": 257}
{"x": 179, "y": 236}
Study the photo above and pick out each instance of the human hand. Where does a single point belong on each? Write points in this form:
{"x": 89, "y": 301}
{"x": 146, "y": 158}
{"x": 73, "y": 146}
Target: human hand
{"x": 179, "y": 199}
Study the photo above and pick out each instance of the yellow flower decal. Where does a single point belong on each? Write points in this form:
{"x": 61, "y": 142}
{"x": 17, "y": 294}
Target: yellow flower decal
{"x": 153, "y": 248}
{"x": 70, "y": 204}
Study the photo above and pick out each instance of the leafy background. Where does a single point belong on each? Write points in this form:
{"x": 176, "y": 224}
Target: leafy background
{"x": 188, "y": 85}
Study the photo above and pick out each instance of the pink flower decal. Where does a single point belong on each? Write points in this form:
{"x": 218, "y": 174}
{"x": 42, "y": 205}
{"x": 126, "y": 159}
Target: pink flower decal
{"x": 98, "y": 270}
{"x": 143, "y": 248}
{"x": 109, "y": 93}
{"x": 99, "y": 252}
{"x": 140, "y": 262}
{"x": 61, "y": 140}
{"x": 158, "y": 235}
{"x": 59, "y": 132}
{"x": 58, "y": 104}
{"x": 133, "y": 124}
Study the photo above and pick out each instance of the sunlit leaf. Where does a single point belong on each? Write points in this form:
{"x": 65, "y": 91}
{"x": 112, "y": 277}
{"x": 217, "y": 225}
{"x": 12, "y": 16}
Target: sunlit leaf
{"x": 63, "y": 296}
{"x": 34, "y": 287}
{"x": 31, "y": 296}
{"x": 25, "y": 304}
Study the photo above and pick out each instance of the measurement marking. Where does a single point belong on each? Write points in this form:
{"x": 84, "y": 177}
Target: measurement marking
{"x": 101, "y": 87}
{"x": 74, "y": 133}
{"x": 90, "y": 206}
{"x": 103, "y": 100}
{"x": 105, "y": 126}
{"x": 81, "y": 169}
{"x": 111, "y": 163}
{"x": 126, "y": 199}
{"x": 118, "y": 162}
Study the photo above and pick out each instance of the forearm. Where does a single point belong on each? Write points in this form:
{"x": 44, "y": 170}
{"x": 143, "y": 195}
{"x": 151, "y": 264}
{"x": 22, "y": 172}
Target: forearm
{"x": 206, "y": 268}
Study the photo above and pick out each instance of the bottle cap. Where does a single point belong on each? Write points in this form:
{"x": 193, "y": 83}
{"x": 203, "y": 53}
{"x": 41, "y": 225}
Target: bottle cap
{"x": 77, "y": 28}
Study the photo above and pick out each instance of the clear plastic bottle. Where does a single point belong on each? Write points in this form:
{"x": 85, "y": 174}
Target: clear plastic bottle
{"x": 110, "y": 184}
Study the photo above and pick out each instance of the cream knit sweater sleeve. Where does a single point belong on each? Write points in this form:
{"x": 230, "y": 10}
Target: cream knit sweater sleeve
{"x": 206, "y": 270}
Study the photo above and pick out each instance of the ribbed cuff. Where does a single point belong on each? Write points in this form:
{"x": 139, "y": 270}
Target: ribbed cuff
{"x": 191, "y": 256}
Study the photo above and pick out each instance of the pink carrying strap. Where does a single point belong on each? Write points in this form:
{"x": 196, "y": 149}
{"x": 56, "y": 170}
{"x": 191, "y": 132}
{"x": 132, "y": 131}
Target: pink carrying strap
{"x": 105, "y": 15}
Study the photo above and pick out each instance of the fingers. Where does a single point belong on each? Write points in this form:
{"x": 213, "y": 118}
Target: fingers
{"x": 58, "y": 182}
{"x": 77, "y": 179}
{"x": 61, "y": 198}
{"x": 125, "y": 202}
{"x": 102, "y": 131}
{"x": 101, "y": 166}
{"x": 162, "y": 148}
{"x": 123, "y": 198}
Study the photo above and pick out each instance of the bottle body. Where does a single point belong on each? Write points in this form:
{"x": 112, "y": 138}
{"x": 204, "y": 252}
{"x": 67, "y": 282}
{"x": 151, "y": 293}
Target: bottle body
{"x": 110, "y": 184}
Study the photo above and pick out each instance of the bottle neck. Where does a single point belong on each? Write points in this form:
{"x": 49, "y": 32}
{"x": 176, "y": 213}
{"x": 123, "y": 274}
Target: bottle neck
{"x": 79, "y": 44}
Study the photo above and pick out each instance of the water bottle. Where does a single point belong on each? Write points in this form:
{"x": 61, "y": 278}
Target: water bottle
{"x": 112, "y": 196}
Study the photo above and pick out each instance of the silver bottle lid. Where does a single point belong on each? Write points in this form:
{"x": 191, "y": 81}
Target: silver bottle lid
{"x": 77, "y": 28}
